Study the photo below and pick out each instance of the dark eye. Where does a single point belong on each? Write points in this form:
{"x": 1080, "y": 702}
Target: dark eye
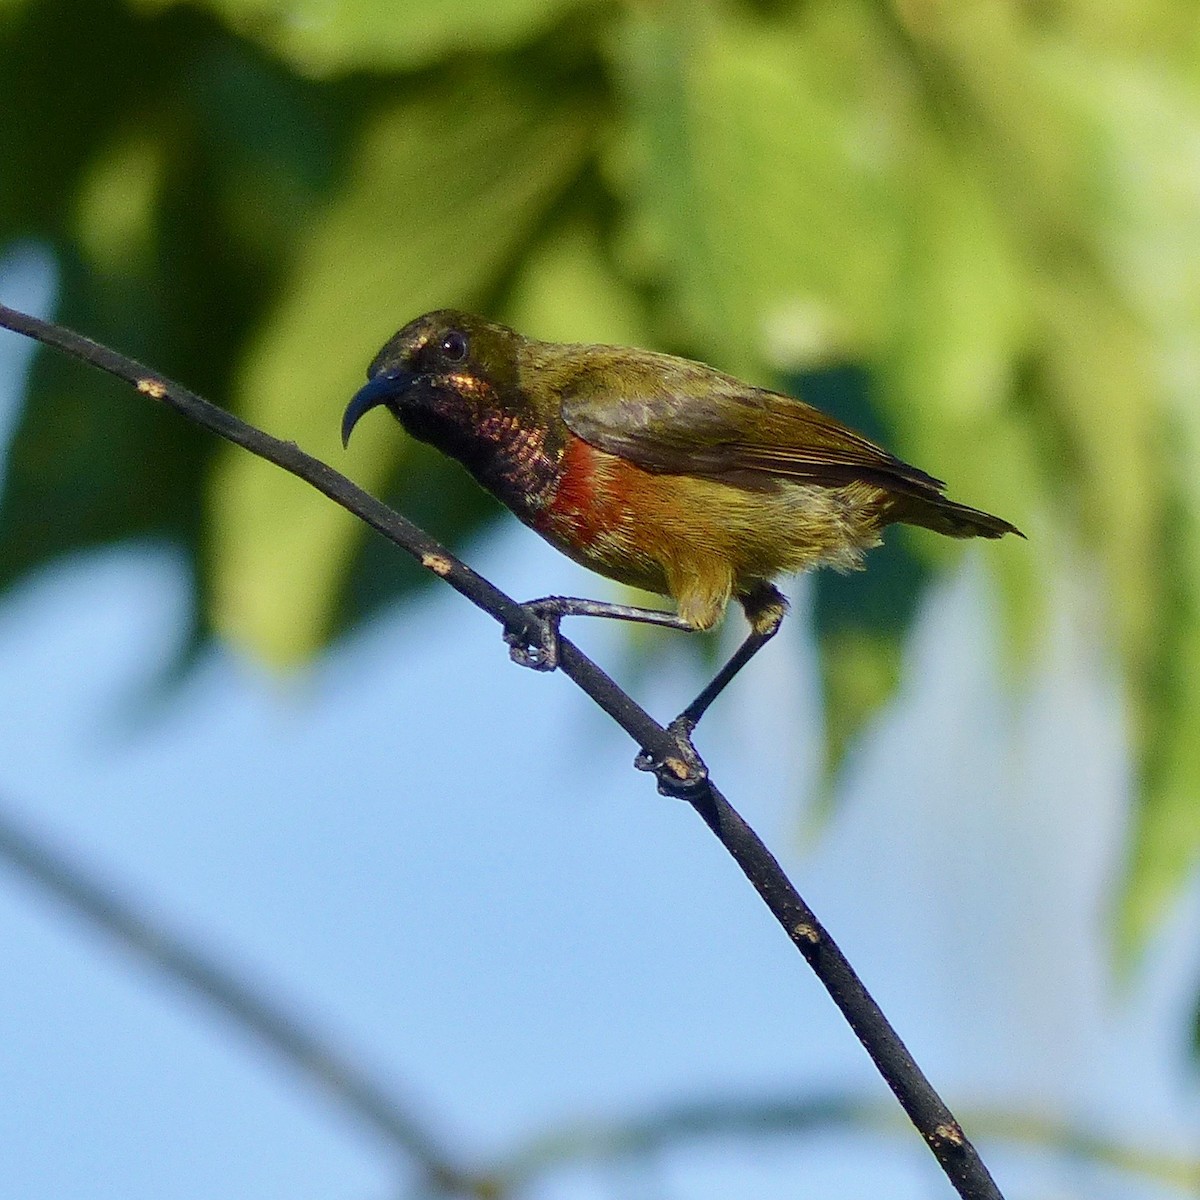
{"x": 454, "y": 345}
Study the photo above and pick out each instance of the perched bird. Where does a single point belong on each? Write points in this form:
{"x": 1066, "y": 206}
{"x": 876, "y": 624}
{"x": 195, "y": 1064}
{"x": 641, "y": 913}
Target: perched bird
{"x": 653, "y": 470}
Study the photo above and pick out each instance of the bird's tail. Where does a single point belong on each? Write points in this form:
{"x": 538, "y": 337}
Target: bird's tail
{"x": 948, "y": 517}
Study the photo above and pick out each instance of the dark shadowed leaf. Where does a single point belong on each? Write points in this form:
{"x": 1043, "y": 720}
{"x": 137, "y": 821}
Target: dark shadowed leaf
{"x": 320, "y": 39}
{"x": 159, "y": 255}
{"x": 862, "y": 618}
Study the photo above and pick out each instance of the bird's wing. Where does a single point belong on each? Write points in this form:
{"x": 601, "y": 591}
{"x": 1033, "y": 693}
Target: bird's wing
{"x": 701, "y": 423}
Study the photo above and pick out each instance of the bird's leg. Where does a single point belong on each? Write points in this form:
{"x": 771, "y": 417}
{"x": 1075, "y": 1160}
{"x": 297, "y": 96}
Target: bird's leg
{"x": 550, "y": 610}
{"x": 765, "y": 606}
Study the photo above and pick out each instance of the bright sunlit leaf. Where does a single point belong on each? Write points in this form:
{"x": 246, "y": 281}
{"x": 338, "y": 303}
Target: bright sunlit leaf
{"x": 441, "y": 197}
{"x": 753, "y": 185}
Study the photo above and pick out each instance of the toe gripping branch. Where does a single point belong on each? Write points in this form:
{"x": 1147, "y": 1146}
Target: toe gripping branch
{"x": 674, "y": 763}
{"x": 680, "y": 773}
{"x": 549, "y": 611}
{"x": 540, "y": 654}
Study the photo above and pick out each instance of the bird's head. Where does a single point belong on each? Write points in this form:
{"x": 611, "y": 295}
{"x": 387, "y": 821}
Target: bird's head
{"x": 442, "y": 373}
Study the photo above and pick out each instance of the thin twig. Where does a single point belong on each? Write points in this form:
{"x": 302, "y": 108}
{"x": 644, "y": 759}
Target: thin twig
{"x": 369, "y": 1100}
{"x": 664, "y": 1129}
{"x": 920, "y": 1101}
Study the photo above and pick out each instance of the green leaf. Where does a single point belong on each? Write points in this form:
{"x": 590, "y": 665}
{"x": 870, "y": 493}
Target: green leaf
{"x": 862, "y": 618}
{"x": 568, "y": 290}
{"x": 755, "y": 199}
{"x": 1165, "y": 838}
{"x": 324, "y": 37}
{"x": 950, "y": 377}
{"x": 156, "y": 256}
{"x": 442, "y": 195}
{"x": 54, "y": 118}
{"x": 90, "y": 463}
{"x": 1141, "y": 124}
{"x": 863, "y": 621}
{"x": 1105, "y": 403}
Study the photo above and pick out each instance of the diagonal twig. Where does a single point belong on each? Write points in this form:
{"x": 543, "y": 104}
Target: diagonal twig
{"x": 664, "y": 1128}
{"x": 925, "y": 1108}
{"x": 372, "y": 1102}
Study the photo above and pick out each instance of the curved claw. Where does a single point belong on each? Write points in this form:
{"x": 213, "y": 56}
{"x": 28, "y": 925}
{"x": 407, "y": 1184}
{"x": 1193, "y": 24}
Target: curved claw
{"x": 542, "y": 655}
{"x": 680, "y": 775}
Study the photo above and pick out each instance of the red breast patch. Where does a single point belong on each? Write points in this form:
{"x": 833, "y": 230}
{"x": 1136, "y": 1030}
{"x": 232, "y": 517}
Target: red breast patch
{"x": 587, "y": 503}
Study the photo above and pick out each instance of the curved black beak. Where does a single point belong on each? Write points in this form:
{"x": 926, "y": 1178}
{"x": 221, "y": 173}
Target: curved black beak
{"x": 373, "y": 393}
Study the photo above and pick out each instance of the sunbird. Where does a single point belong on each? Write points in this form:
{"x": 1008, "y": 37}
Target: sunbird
{"x": 653, "y": 470}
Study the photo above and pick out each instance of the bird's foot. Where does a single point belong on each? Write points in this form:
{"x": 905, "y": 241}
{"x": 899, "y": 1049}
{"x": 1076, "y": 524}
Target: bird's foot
{"x": 681, "y": 774}
{"x": 542, "y": 654}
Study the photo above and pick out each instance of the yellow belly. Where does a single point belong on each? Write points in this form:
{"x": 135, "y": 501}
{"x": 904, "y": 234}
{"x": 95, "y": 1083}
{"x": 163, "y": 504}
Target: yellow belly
{"x": 698, "y": 540}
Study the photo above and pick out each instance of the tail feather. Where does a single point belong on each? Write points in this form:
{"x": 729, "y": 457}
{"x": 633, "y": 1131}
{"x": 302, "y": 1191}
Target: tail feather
{"x": 947, "y": 516}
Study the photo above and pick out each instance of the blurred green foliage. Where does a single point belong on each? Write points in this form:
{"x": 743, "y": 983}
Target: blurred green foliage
{"x": 972, "y": 229}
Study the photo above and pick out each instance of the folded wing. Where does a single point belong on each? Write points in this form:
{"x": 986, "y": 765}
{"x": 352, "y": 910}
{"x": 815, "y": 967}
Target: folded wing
{"x": 692, "y": 421}
{"x": 719, "y": 427}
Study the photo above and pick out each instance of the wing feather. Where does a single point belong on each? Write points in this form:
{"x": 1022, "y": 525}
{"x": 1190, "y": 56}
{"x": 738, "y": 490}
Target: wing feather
{"x": 712, "y": 425}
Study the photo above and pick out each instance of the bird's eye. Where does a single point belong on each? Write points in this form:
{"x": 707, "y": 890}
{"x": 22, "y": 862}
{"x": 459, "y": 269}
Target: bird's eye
{"x": 454, "y": 345}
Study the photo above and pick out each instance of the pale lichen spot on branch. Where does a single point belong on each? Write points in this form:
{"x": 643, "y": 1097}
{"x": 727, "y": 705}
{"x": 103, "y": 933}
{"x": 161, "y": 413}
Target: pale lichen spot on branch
{"x": 949, "y": 1134}
{"x": 152, "y": 387}
{"x": 439, "y": 564}
{"x": 678, "y": 768}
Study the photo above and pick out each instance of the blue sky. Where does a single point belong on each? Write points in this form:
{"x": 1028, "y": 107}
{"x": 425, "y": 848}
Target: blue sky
{"x": 448, "y": 863}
